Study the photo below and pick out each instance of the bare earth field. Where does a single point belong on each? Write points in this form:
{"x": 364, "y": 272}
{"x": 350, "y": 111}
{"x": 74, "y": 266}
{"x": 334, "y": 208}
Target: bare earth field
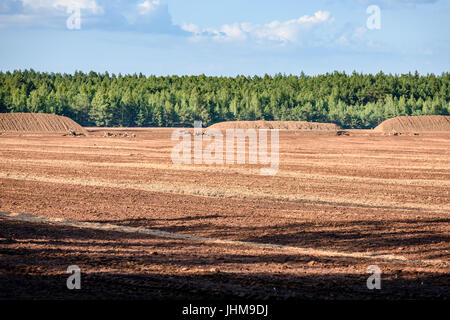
{"x": 139, "y": 226}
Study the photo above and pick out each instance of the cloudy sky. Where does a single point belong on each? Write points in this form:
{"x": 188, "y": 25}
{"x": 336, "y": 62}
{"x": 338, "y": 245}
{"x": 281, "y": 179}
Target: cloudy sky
{"x": 227, "y": 38}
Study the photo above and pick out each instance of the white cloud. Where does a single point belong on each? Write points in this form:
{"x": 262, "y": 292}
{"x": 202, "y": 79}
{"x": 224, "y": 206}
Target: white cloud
{"x": 192, "y": 28}
{"x": 397, "y": 3}
{"x": 150, "y": 16}
{"x": 90, "y": 5}
{"x": 351, "y": 36}
{"x": 16, "y": 19}
{"x": 356, "y": 38}
{"x": 284, "y": 31}
{"x": 148, "y": 6}
{"x": 146, "y": 12}
{"x": 44, "y": 13}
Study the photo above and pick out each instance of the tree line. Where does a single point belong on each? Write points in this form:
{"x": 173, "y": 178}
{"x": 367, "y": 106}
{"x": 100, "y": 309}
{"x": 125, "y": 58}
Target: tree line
{"x": 103, "y": 99}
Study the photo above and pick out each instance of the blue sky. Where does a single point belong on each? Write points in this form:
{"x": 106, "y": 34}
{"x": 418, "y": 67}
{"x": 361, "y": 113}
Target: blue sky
{"x": 225, "y": 37}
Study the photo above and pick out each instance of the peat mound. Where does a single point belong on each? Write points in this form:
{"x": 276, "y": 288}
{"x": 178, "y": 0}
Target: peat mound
{"x": 282, "y": 125}
{"x": 415, "y": 124}
{"x": 39, "y": 122}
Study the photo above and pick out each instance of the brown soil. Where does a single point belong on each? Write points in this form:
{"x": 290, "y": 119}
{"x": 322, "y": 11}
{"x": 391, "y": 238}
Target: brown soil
{"x": 364, "y": 193}
{"x": 415, "y": 124}
{"x": 39, "y": 122}
{"x": 283, "y": 125}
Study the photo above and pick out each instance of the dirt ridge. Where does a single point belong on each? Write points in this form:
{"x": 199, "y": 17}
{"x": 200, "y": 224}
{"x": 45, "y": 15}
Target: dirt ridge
{"x": 415, "y": 124}
{"x": 283, "y": 125}
{"x": 39, "y": 122}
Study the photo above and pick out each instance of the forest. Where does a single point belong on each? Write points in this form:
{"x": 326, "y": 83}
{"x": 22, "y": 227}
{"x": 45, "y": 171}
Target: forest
{"x": 101, "y": 99}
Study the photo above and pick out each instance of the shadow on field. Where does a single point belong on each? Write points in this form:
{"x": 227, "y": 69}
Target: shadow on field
{"x": 114, "y": 265}
{"x": 217, "y": 287}
{"x": 355, "y": 235}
